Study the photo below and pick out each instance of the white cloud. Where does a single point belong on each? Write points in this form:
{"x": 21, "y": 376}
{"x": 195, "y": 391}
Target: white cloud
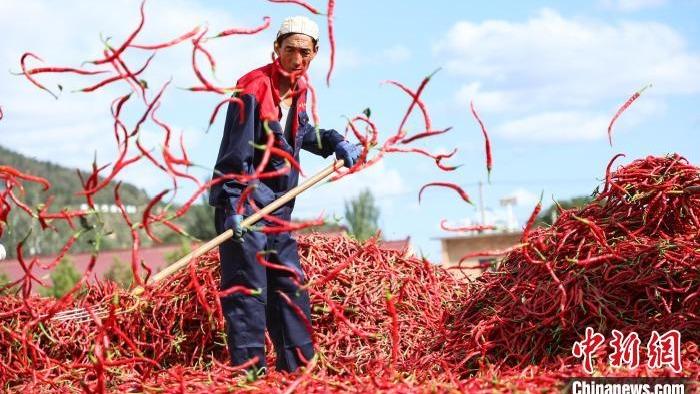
{"x": 349, "y": 59}
{"x": 397, "y": 54}
{"x": 632, "y": 5}
{"x": 551, "y": 70}
{"x": 557, "y": 126}
{"x": 68, "y": 131}
{"x": 380, "y": 179}
{"x": 524, "y": 197}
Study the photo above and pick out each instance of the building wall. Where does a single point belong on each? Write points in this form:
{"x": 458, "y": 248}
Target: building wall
{"x": 453, "y": 248}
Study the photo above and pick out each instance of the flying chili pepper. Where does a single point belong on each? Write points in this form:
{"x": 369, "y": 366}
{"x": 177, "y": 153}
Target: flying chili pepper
{"x": 624, "y": 106}
{"x": 116, "y": 53}
{"x": 265, "y": 25}
{"x": 173, "y": 42}
{"x": 331, "y": 38}
{"x": 299, "y": 2}
{"x": 452, "y": 186}
{"x": 479, "y": 227}
{"x": 487, "y": 142}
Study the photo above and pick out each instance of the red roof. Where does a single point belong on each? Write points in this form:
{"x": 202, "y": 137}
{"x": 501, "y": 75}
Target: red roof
{"x": 400, "y": 245}
{"x": 153, "y": 258}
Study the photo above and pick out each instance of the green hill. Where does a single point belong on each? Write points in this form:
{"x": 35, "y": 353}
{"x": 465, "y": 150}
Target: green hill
{"x": 105, "y": 226}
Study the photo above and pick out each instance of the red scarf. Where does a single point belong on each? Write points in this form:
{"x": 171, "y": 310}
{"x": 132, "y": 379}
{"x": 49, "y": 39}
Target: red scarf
{"x": 263, "y": 83}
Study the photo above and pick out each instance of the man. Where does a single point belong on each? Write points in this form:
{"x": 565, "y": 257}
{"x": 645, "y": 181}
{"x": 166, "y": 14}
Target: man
{"x": 273, "y": 98}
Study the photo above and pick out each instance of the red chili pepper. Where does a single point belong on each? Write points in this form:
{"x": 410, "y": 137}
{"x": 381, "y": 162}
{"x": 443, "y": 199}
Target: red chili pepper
{"x": 197, "y": 47}
{"x": 299, "y": 2}
{"x": 116, "y": 53}
{"x": 147, "y": 214}
{"x": 421, "y": 105}
{"x": 128, "y": 76}
{"x": 400, "y": 133}
{"x": 531, "y": 219}
{"x": 116, "y": 109}
{"x": 261, "y": 260}
{"x": 170, "y": 43}
{"x": 624, "y": 106}
{"x": 391, "y": 308}
{"x": 452, "y": 186}
{"x": 136, "y": 240}
{"x": 118, "y": 166}
{"x": 235, "y": 100}
{"x": 479, "y": 227}
{"x": 149, "y": 109}
{"x": 300, "y": 314}
{"x": 487, "y": 142}
{"x": 429, "y": 133}
{"x": 20, "y": 204}
{"x": 245, "y": 196}
{"x": 42, "y": 70}
{"x": 149, "y": 156}
{"x": 239, "y": 289}
{"x": 15, "y": 173}
{"x": 198, "y": 289}
{"x": 23, "y": 59}
{"x": 288, "y": 157}
{"x": 338, "y": 314}
{"x": 203, "y": 188}
{"x": 331, "y": 38}
{"x": 238, "y": 30}
{"x": 607, "y": 172}
{"x": 314, "y": 103}
{"x": 118, "y": 77}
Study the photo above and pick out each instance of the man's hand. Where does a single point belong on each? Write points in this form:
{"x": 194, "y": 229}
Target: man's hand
{"x": 347, "y": 152}
{"x": 233, "y": 222}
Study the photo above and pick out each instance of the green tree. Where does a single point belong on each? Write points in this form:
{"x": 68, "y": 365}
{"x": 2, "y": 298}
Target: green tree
{"x": 549, "y": 215}
{"x": 63, "y": 277}
{"x": 174, "y": 255}
{"x": 4, "y": 280}
{"x": 119, "y": 272}
{"x": 200, "y": 221}
{"x": 362, "y": 216}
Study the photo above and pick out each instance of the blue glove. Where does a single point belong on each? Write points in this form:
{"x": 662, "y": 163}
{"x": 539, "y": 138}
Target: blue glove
{"x": 233, "y": 222}
{"x": 347, "y": 152}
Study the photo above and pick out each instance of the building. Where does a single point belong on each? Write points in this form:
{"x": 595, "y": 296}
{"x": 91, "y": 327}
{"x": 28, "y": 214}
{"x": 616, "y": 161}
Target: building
{"x": 402, "y": 245}
{"x": 456, "y": 247}
{"x": 153, "y": 258}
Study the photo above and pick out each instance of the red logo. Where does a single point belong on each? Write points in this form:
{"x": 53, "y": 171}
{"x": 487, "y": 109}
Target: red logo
{"x": 625, "y": 349}
{"x": 662, "y": 350}
{"x": 665, "y": 350}
{"x": 587, "y": 347}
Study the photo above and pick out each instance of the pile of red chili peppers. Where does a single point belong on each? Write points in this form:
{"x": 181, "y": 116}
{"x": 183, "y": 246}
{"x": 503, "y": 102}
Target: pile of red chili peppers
{"x": 627, "y": 261}
{"x": 384, "y": 322}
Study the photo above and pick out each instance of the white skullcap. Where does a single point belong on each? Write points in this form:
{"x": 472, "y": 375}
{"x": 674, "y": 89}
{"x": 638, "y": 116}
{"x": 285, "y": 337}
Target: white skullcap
{"x": 299, "y": 24}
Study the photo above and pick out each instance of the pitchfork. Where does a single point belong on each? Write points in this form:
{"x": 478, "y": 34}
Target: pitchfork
{"x": 79, "y": 315}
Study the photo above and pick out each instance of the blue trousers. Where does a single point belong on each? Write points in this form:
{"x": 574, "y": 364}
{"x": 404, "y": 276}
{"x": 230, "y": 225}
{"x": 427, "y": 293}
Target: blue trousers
{"x": 247, "y": 317}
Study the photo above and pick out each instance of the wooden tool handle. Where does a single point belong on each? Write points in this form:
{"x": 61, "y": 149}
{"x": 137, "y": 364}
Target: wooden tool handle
{"x": 249, "y": 221}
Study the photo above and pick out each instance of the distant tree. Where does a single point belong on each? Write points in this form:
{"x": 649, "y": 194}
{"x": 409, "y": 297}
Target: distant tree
{"x": 362, "y": 216}
{"x": 4, "y": 280}
{"x": 119, "y": 272}
{"x": 173, "y": 256}
{"x": 549, "y": 215}
{"x": 200, "y": 221}
{"x": 63, "y": 277}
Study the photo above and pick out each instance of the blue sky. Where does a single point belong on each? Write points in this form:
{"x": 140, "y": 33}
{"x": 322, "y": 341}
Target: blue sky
{"x": 546, "y": 78}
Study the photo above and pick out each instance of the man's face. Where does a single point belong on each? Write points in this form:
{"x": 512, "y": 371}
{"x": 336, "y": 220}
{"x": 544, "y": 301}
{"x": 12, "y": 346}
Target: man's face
{"x": 296, "y": 53}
